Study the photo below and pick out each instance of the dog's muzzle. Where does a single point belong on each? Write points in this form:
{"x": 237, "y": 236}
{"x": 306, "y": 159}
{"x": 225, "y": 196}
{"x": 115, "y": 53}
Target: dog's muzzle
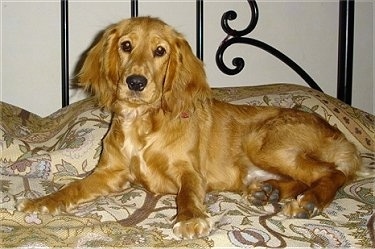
{"x": 136, "y": 82}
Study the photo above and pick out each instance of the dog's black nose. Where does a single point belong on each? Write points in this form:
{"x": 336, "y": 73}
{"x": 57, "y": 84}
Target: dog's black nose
{"x": 136, "y": 82}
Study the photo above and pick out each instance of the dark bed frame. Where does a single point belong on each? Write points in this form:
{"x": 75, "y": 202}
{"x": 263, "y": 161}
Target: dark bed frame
{"x": 345, "y": 46}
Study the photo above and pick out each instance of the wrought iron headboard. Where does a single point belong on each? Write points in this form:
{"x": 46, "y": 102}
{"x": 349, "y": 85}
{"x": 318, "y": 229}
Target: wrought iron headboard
{"x": 345, "y": 46}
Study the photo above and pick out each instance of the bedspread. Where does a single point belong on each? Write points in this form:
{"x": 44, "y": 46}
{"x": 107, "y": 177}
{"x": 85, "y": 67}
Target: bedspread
{"x": 40, "y": 155}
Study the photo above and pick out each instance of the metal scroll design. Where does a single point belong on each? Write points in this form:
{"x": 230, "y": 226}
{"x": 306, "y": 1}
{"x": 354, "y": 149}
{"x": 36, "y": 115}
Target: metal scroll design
{"x": 237, "y": 36}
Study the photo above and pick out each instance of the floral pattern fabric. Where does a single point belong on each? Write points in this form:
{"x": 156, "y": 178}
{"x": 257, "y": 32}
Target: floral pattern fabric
{"x": 41, "y": 155}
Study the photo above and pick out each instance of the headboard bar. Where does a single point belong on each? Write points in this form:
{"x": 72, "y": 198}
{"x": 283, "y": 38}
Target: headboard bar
{"x": 345, "y": 52}
{"x": 199, "y": 28}
{"x": 134, "y": 8}
{"x": 64, "y": 53}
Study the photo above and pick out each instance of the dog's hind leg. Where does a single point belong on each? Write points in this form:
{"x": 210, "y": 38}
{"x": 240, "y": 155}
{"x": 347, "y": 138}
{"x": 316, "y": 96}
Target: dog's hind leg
{"x": 310, "y": 184}
{"x": 318, "y": 196}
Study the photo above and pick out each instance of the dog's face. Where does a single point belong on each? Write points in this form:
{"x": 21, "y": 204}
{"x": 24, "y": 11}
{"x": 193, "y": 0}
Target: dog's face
{"x": 144, "y": 54}
{"x": 143, "y": 62}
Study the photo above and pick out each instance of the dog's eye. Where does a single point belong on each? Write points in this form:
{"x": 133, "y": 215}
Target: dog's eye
{"x": 126, "y": 46}
{"x": 159, "y": 51}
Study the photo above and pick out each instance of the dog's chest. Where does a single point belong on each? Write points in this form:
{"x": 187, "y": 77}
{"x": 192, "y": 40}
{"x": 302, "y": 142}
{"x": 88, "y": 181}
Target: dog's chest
{"x": 139, "y": 136}
{"x": 152, "y": 146}
{"x": 137, "y": 132}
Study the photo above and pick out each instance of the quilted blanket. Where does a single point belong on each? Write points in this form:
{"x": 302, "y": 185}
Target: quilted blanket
{"x": 41, "y": 155}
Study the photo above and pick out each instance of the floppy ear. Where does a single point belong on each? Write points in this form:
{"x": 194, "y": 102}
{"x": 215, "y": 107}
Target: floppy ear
{"x": 185, "y": 84}
{"x": 100, "y": 71}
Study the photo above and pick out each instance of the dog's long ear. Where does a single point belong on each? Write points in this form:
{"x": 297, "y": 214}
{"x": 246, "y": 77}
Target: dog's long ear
{"x": 185, "y": 84}
{"x": 100, "y": 71}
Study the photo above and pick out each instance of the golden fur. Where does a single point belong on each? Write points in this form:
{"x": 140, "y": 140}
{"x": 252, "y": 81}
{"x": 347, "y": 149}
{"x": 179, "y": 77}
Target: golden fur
{"x": 169, "y": 135}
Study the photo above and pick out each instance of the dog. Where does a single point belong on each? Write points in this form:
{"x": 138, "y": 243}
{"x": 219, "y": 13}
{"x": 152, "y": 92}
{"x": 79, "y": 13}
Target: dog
{"x": 169, "y": 135}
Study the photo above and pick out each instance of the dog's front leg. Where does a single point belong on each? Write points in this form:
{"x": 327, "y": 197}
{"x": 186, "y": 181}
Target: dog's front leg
{"x": 111, "y": 175}
{"x": 192, "y": 219}
{"x": 70, "y": 196}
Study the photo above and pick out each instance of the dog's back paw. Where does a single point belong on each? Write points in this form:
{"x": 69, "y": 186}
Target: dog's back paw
{"x": 264, "y": 193}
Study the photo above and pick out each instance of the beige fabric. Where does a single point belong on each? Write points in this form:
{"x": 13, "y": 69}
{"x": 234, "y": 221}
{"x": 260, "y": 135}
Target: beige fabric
{"x": 40, "y": 155}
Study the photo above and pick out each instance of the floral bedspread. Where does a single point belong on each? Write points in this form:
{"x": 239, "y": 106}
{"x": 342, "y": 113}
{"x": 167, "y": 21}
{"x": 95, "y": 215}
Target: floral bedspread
{"x": 40, "y": 155}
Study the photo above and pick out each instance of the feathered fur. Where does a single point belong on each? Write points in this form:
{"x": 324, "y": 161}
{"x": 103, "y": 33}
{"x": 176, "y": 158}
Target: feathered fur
{"x": 169, "y": 135}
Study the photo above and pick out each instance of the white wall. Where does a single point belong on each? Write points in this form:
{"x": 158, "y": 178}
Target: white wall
{"x": 363, "y": 61}
{"x": 305, "y": 30}
{"x": 30, "y": 55}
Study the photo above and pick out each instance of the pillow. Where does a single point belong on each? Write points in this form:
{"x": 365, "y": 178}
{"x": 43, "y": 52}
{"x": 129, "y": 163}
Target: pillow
{"x": 67, "y": 144}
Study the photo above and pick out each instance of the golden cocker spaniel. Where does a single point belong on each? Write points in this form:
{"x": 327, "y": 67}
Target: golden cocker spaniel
{"x": 169, "y": 135}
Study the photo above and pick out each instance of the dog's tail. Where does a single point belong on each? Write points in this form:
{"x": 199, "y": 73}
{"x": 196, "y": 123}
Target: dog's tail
{"x": 347, "y": 158}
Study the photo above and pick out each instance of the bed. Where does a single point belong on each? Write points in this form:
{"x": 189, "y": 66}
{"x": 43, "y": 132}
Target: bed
{"x": 42, "y": 154}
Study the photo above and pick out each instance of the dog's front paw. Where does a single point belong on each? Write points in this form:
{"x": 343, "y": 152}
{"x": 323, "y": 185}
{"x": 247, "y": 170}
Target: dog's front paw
{"x": 42, "y": 205}
{"x": 192, "y": 228}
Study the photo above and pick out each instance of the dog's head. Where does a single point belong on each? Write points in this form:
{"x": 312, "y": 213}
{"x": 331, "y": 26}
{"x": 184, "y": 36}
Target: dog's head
{"x": 143, "y": 61}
